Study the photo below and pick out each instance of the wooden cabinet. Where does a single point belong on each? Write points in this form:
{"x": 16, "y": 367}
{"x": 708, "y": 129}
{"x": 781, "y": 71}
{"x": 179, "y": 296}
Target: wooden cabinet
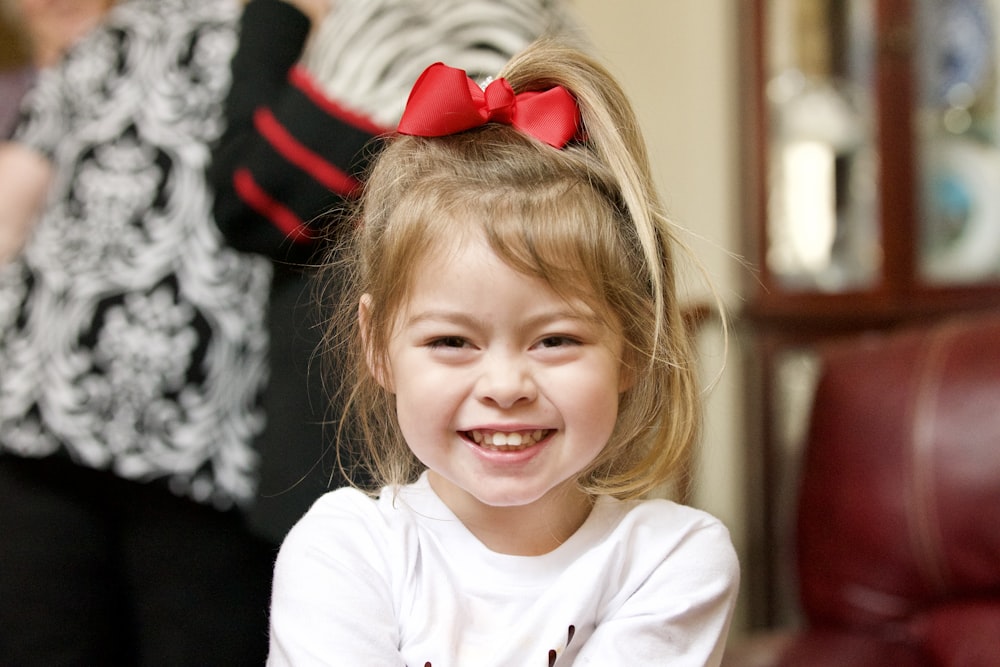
{"x": 871, "y": 163}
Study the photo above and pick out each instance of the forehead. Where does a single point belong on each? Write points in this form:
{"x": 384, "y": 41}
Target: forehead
{"x": 469, "y": 278}
{"x": 466, "y": 268}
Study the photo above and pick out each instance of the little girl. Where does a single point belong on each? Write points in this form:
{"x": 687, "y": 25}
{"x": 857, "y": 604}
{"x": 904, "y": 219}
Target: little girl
{"x": 523, "y": 378}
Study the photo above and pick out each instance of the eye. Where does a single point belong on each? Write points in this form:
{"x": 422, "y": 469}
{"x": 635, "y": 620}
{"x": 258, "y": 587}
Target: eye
{"x": 557, "y": 341}
{"x": 448, "y": 342}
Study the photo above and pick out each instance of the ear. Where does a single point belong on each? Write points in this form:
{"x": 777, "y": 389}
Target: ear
{"x": 372, "y": 359}
{"x": 628, "y": 375}
{"x": 626, "y": 378}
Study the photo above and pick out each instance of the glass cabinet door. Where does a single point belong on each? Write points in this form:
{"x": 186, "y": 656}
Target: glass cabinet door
{"x": 872, "y": 201}
{"x": 822, "y": 231}
{"x": 958, "y": 141}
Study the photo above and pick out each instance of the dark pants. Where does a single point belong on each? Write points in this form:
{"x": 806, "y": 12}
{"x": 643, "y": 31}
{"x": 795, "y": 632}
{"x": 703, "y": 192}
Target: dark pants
{"x": 95, "y": 570}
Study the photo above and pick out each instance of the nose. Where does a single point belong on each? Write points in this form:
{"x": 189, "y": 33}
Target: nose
{"x": 505, "y": 380}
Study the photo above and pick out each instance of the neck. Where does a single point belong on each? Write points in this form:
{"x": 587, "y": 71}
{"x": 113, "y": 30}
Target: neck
{"x": 523, "y": 530}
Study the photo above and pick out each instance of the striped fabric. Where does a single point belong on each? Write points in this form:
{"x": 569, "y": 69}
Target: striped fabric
{"x": 368, "y": 53}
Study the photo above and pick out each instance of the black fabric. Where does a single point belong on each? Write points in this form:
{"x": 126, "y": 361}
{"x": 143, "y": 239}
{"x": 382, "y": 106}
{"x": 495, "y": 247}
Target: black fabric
{"x": 297, "y": 464}
{"x": 135, "y": 568}
{"x": 272, "y": 36}
{"x": 319, "y": 128}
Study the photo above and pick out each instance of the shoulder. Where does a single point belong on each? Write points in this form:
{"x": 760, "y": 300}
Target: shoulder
{"x": 336, "y": 515}
{"x": 667, "y": 551}
{"x": 348, "y": 537}
{"x": 339, "y": 538}
{"x": 661, "y": 530}
{"x": 349, "y": 520}
{"x": 336, "y": 584}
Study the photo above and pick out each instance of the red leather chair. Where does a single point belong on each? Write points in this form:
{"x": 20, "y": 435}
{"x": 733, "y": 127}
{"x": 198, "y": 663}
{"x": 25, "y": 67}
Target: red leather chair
{"x": 898, "y": 518}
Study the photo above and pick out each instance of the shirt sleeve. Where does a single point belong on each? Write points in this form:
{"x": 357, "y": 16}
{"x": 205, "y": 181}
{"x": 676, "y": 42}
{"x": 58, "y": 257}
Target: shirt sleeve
{"x": 290, "y": 154}
{"x": 332, "y": 601}
{"x": 681, "y": 613}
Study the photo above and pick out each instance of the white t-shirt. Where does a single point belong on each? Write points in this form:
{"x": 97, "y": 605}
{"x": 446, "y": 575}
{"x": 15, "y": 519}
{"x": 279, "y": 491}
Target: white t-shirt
{"x": 401, "y": 581}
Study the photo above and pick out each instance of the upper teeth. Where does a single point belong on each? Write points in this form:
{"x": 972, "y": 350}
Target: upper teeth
{"x": 500, "y": 439}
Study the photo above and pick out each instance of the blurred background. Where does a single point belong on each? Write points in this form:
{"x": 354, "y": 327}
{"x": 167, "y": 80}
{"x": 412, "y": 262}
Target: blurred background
{"x": 836, "y": 165}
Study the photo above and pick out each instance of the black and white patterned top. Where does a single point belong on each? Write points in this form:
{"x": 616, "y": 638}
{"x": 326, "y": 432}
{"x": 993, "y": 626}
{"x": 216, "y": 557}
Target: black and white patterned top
{"x": 131, "y": 338}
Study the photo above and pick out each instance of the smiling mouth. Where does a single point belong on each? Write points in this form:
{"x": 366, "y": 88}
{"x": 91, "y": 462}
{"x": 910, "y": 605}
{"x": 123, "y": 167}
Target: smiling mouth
{"x": 500, "y": 441}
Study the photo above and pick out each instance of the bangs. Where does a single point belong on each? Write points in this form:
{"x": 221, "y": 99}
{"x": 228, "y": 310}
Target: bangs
{"x": 566, "y": 236}
{"x": 564, "y": 233}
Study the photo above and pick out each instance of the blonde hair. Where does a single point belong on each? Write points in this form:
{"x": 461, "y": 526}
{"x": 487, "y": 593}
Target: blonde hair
{"x": 585, "y": 219}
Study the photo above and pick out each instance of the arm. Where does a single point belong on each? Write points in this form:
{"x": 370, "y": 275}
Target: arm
{"x": 53, "y": 27}
{"x": 289, "y": 153}
{"x": 332, "y": 601}
{"x": 314, "y": 10}
{"x": 24, "y": 182}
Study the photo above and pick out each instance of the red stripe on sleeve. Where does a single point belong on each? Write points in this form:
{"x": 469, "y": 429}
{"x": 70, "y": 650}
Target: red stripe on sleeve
{"x": 303, "y": 80}
{"x": 301, "y": 156}
{"x": 280, "y": 216}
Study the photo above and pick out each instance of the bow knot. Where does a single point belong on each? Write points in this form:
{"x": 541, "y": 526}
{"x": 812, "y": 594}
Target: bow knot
{"x": 501, "y": 102}
{"x": 444, "y": 101}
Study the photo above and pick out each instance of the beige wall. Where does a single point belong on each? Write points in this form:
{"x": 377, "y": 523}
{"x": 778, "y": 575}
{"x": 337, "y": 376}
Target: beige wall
{"x": 677, "y": 60}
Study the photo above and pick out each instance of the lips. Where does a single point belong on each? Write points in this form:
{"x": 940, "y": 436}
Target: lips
{"x": 507, "y": 441}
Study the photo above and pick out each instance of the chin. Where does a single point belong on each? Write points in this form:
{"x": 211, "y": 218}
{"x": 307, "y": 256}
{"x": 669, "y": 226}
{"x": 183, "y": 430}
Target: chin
{"x": 508, "y": 500}
{"x": 519, "y": 497}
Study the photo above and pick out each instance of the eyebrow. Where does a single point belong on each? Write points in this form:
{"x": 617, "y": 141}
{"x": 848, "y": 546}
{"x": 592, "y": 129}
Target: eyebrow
{"x": 462, "y": 319}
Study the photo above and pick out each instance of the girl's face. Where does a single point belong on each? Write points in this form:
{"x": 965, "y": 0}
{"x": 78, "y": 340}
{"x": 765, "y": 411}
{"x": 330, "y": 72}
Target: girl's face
{"x": 504, "y": 390}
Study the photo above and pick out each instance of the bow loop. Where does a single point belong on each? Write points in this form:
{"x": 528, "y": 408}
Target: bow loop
{"x": 444, "y": 101}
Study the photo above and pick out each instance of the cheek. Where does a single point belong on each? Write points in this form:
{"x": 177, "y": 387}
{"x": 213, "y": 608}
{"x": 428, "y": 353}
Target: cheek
{"x": 425, "y": 425}
{"x": 423, "y": 403}
{"x": 593, "y": 401}
{"x": 411, "y": 426}
{"x": 606, "y": 413}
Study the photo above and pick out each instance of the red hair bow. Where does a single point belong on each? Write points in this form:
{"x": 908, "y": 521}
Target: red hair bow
{"x": 444, "y": 100}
